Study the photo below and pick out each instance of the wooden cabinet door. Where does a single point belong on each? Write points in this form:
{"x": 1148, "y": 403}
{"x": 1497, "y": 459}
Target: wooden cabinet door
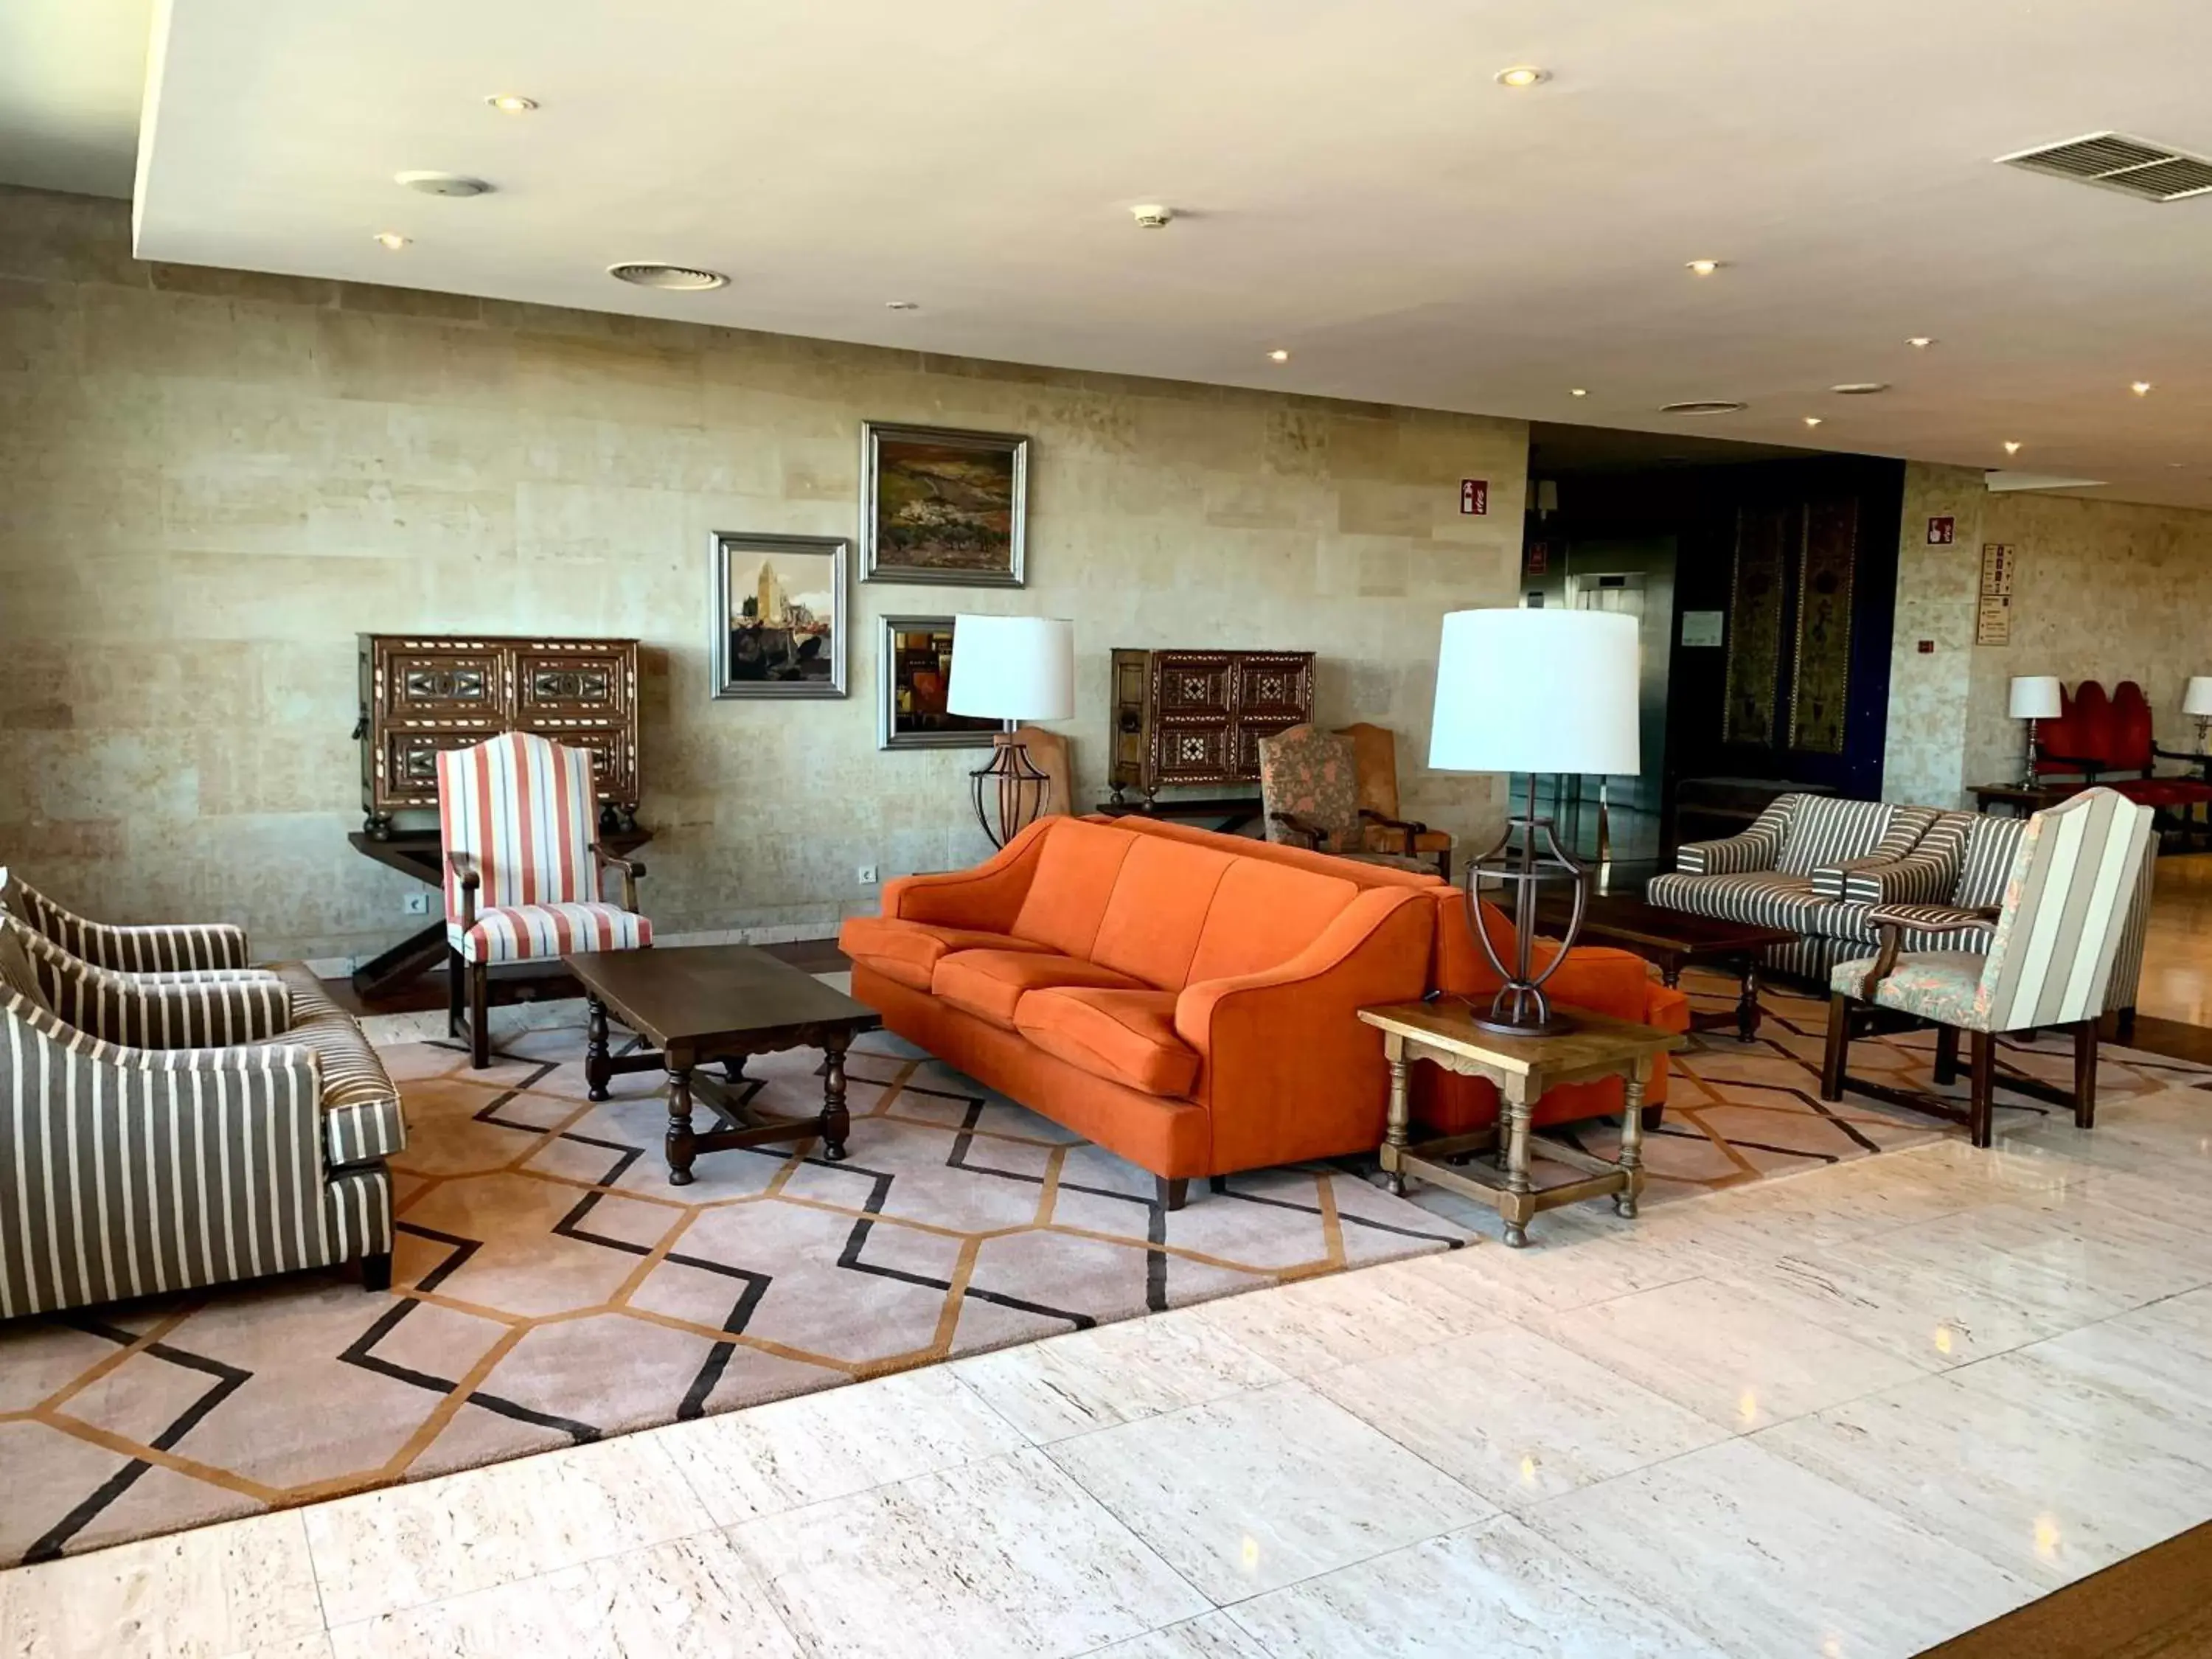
{"x": 443, "y": 681}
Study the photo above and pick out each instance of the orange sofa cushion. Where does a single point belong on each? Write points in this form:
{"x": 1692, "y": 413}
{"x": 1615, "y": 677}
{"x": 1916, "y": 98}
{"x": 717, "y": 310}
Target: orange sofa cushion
{"x": 908, "y": 951}
{"x": 1159, "y": 904}
{"x": 1127, "y": 1036}
{"x": 1263, "y": 914}
{"x": 990, "y": 984}
{"x": 1076, "y": 869}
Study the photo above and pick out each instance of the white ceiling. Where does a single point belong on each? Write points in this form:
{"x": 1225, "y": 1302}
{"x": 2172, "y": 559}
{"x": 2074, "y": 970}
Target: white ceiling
{"x": 71, "y": 74}
{"x": 1351, "y": 183}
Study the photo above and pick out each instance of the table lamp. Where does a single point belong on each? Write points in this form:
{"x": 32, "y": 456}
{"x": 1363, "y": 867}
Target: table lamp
{"x": 2197, "y": 700}
{"x": 2035, "y": 697}
{"x": 1011, "y": 669}
{"x": 1532, "y": 691}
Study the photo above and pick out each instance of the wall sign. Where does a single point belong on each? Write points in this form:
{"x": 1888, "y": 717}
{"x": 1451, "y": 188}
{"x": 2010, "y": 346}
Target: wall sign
{"x": 1993, "y": 615}
{"x": 1475, "y": 496}
{"x": 1703, "y": 628}
{"x": 1538, "y": 560}
{"x": 1942, "y": 531}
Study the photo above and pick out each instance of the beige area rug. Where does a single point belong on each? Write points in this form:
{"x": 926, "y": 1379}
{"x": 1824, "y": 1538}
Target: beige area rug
{"x": 552, "y": 1288}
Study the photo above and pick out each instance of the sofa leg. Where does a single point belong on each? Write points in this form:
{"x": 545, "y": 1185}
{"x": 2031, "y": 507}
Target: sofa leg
{"x": 1838, "y": 1054}
{"x": 456, "y": 993}
{"x": 1170, "y": 1194}
{"x": 376, "y": 1272}
{"x": 479, "y": 1015}
{"x": 2085, "y": 1075}
{"x": 1947, "y": 1054}
{"x": 1217, "y": 1183}
{"x": 1982, "y": 1064}
{"x": 1653, "y": 1116}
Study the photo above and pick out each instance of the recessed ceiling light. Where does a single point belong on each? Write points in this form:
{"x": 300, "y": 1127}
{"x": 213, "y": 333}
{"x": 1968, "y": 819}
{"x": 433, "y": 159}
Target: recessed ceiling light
{"x": 442, "y": 184}
{"x": 391, "y": 238}
{"x": 901, "y": 305}
{"x": 1578, "y": 391}
{"x": 2011, "y": 448}
{"x": 1705, "y": 267}
{"x": 511, "y": 103}
{"x": 1151, "y": 215}
{"x": 686, "y": 279}
{"x": 1859, "y": 388}
{"x": 1279, "y": 355}
{"x": 2141, "y": 388}
{"x": 1812, "y": 420}
{"x": 1920, "y": 342}
{"x": 1522, "y": 75}
{"x": 1702, "y": 406}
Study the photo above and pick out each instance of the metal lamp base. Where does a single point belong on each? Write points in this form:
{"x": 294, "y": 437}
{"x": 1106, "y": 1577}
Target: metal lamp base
{"x": 1009, "y": 792}
{"x": 1520, "y": 1008}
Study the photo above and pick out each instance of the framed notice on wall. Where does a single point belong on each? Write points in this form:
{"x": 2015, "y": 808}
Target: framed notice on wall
{"x": 1993, "y": 613}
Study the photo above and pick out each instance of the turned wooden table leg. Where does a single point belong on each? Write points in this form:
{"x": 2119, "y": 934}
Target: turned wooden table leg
{"x": 1401, "y": 1112}
{"x": 1516, "y": 1204}
{"x": 597, "y": 1072}
{"x": 682, "y": 1147}
{"x": 1747, "y": 1002}
{"x": 1632, "y": 1137}
{"x": 836, "y": 1124}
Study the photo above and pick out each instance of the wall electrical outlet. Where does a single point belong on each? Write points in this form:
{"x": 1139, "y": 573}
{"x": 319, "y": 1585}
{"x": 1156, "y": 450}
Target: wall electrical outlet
{"x": 866, "y": 875}
{"x": 416, "y": 904}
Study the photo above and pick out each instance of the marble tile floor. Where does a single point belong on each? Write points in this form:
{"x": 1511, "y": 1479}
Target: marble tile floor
{"x": 1847, "y": 1414}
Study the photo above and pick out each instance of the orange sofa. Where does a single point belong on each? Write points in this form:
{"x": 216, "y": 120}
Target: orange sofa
{"x": 1186, "y": 999}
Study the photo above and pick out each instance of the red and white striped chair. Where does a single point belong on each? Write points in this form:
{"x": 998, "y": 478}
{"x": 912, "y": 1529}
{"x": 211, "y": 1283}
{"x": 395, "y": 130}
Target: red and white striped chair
{"x": 522, "y": 871}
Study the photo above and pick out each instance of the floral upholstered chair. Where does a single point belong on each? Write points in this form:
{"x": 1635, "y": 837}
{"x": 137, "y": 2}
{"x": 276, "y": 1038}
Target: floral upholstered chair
{"x": 2053, "y": 951}
{"x": 522, "y": 871}
{"x": 1374, "y": 769}
{"x": 1309, "y": 795}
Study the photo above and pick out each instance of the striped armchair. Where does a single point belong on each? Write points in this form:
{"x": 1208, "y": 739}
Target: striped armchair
{"x": 1790, "y": 870}
{"x": 522, "y": 871}
{"x": 180, "y": 1127}
{"x": 2049, "y": 957}
{"x": 165, "y": 948}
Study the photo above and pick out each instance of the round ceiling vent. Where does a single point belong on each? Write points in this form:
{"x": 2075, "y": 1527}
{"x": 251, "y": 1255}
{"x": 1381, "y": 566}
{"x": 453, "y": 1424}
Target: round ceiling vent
{"x": 650, "y": 273}
{"x": 1702, "y": 406}
{"x": 1860, "y": 388}
{"x": 443, "y": 183}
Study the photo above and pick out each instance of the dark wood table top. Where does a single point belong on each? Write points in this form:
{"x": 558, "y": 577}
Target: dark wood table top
{"x": 677, "y": 996}
{"x": 1619, "y": 919}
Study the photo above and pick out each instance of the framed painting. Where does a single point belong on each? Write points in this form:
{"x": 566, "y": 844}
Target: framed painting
{"x": 937, "y": 506}
{"x": 778, "y": 621}
{"x": 914, "y": 669}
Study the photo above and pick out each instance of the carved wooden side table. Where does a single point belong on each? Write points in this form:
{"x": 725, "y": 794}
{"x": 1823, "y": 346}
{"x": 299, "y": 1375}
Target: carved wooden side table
{"x": 1523, "y": 1068}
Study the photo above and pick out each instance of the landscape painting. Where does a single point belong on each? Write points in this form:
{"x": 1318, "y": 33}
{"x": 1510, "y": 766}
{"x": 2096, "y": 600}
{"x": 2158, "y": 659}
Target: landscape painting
{"x": 779, "y": 616}
{"x": 942, "y": 507}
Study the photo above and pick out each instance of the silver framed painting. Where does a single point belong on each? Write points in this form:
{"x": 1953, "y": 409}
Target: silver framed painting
{"x": 779, "y": 626}
{"x": 942, "y": 506}
{"x": 914, "y": 672}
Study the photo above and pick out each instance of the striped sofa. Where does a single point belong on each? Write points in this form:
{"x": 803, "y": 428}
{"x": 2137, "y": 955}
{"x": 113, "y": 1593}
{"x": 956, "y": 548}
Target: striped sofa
{"x": 188, "y": 1122}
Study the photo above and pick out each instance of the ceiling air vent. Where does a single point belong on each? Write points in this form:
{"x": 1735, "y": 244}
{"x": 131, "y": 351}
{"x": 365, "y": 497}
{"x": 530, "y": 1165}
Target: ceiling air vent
{"x": 1702, "y": 406}
{"x": 2112, "y": 160}
{"x": 688, "y": 279}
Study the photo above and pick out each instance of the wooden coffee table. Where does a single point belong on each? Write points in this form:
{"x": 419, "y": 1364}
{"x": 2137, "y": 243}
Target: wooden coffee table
{"x": 1672, "y": 940}
{"x": 696, "y": 1004}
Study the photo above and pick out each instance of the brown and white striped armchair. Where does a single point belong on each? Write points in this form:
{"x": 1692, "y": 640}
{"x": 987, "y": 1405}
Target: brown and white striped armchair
{"x": 2070, "y": 912}
{"x": 181, "y": 1126}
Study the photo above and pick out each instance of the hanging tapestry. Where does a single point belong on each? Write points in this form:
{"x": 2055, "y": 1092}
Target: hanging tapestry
{"x": 1821, "y": 671}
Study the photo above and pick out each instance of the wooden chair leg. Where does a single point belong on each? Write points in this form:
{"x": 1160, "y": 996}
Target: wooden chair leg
{"x": 457, "y": 986}
{"x": 1837, "y": 1058}
{"x": 2085, "y": 1075}
{"x": 479, "y": 1014}
{"x": 1983, "y": 1062}
{"x": 1947, "y": 1054}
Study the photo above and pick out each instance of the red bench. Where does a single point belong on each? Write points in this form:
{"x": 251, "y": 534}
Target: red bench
{"x": 2109, "y": 740}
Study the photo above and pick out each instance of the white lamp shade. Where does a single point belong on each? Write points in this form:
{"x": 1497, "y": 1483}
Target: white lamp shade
{"x": 1536, "y": 691}
{"x": 2197, "y": 698}
{"x": 1012, "y": 668}
{"x": 2035, "y": 697}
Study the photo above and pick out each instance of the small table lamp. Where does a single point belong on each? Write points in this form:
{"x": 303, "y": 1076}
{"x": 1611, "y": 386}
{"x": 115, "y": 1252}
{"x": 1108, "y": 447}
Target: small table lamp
{"x": 1532, "y": 691}
{"x": 1010, "y": 669}
{"x": 2033, "y": 697}
{"x": 2197, "y": 700}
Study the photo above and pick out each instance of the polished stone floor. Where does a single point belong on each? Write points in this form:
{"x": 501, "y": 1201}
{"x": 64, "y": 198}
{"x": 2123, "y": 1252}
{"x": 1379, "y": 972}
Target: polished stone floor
{"x": 1842, "y": 1415}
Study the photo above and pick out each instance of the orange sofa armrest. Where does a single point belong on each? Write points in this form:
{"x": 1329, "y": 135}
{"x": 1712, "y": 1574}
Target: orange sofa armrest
{"x": 988, "y": 897}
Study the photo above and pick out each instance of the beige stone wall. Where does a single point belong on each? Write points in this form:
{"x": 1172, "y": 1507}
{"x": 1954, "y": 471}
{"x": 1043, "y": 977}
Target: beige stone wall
{"x": 210, "y": 481}
{"x": 2107, "y": 591}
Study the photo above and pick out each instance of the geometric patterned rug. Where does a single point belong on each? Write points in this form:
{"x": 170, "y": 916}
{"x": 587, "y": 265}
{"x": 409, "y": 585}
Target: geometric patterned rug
{"x": 551, "y": 1288}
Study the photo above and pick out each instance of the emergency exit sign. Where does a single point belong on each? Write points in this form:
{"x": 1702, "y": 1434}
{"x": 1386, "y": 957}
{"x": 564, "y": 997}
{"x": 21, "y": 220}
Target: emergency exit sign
{"x": 1475, "y": 496}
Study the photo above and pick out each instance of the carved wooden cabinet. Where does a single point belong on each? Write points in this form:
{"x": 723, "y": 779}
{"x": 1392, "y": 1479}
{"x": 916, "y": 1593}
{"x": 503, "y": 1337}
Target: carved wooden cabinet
{"x": 1196, "y": 717}
{"x": 421, "y": 694}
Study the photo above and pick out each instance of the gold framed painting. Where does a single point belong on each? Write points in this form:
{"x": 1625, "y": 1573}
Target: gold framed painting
{"x": 942, "y": 506}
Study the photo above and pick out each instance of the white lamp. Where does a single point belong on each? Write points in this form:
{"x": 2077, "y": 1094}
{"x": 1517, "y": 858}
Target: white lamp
{"x": 1011, "y": 669}
{"x": 2032, "y": 698}
{"x": 2196, "y": 699}
{"x": 1532, "y": 691}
